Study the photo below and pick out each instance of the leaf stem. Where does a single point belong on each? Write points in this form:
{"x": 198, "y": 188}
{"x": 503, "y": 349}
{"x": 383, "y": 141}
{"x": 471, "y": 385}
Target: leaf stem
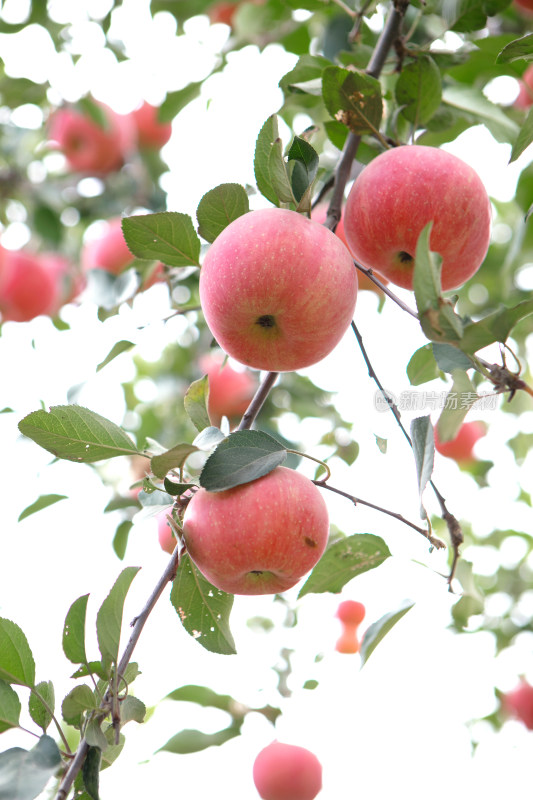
{"x": 312, "y": 458}
{"x": 52, "y": 716}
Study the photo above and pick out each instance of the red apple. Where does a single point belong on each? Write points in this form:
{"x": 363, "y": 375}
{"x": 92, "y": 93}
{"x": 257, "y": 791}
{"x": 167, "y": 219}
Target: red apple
{"x": 150, "y": 132}
{"x": 278, "y": 290}
{"x": 350, "y": 612}
{"x": 460, "y": 448}
{"x": 519, "y": 703}
{"x": 89, "y": 147}
{"x": 167, "y": 540}
{"x": 222, "y": 12}
{"x": 260, "y": 537}
{"x": 398, "y": 193}
{"x": 525, "y": 94}
{"x": 230, "y": 391}
{"x": 29, "y": 286}
{"x": 70, "y": 280}
{"x": 348, "y": 641}
{"x": 287, "y": 772}
{"x": 525, "y": 6}
{"x": 109, "y": 251}
{"x": 319, "y": 214}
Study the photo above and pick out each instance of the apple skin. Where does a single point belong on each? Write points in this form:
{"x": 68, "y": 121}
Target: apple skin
{"x": 222, "y": 13}
{"x": 348, "y": 642}
{"x": 150, "y": 132}
{"x": 460, "y": 448}
{"x": 29, "y": 286}
{"x": 519, "y": 703}
{"x": 524, "y": 6}
{"x": 287, "y": 772}
{"x": 394, "y": 198}
{"x": 230, "y": 391}
{"x": 109, "y": 251}
{"x": 350, "y": 612}
{"x": 166, "y": 538}
{"x": 260, "y": 537}
{"x": 88, "y": 147}
{"x": 278, "y": 290}
{"x": 319, "y": 214}
{"x": 525, "y": 94}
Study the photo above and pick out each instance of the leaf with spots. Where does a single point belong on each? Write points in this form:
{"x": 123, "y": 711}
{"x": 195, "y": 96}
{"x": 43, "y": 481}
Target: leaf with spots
{"x": 343, "y": 560}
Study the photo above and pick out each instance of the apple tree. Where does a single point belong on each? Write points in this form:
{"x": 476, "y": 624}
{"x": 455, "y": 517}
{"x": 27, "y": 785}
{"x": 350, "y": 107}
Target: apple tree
{"x": 361, "y": 241}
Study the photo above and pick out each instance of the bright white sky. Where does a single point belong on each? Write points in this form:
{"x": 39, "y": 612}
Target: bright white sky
{"x": 398, "y": 727}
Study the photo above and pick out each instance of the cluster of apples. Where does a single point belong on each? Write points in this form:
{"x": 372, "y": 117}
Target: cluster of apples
{"x": 98, "y": 148}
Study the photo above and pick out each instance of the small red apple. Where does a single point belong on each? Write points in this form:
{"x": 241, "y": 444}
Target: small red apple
{"x": 150, "y": 132}
{"x": 519, "y": 703}
{"x": 167, "y": 540}
{"x": 109, "y": 251}
{"x": 223, "y": 13}
{"x": 260, "y": 537}
{"x": 460, "y": 448}
{"x": 350, "y": 612}
{"x": 524, "y": 6}
{"x": 29, "y": 286}
{"x": 278, "y": 290}
{"x": 525, "y": 93}
{"x": 394, "y": 198}
{"x": 230, "y": 391}
{"x": 287, "y": 772}
{"x": 88, "y": 147}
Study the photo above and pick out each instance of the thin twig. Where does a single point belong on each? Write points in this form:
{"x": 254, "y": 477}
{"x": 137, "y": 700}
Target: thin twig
{"x": 372, "y": 276}
{"x": 357, "y": 500}
{"x": 138, "y": 624}
{"x": 257, "y": 401}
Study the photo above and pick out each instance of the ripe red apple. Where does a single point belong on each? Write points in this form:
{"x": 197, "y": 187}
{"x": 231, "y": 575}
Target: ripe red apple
{"x": 222, "y": 12}
{"x": 87, "y": 146}
{"x": 150, "y": 132}
{"x": 287, "y": 772}
{"x": 525, "y": 94}
{"x": 278, "y": 290}
{"x": 394, "y": 198}
{"x": 350, "y": 612}
{"x": 525, "y": 6}
{"x": 29, "y": 286}
{"x": 260, "y": 537}
{"x": 519, "y": 703}
{"x": 319, "y": 214}
{"x": 230, "y": 391}
{"x": 167, "y": 540}
{"x": 460, "y": 448}
{"x": 109, "y": 251}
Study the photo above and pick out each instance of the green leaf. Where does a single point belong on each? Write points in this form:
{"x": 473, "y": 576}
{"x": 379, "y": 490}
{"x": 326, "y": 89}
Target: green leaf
{"x": 474, "y": 102}
{"x": 353, "y": 98}
{"x": 132, "y": 709}
{"x": 25, "y": 773}
{"x": 495, "y": 327}
{"x": 76, "y": 434}
{"x": 209, "y": 438}
{"x": 192, "y": 741}
{"x": 43, "y": 501}
{"x": 120, "y": 539}
{"x": 268, "y": 157}
{"x": 42, "y": 712}
{"x": 343, "y": 560}
{"x": 91, "y": 772}
{"x": 168, "y": 237}
{"x": 219, "y": 207}
{"x": 195, "y": 402}
{"x": 109, "y": 617}
{"x": 9, "y": 709}
{"x": 308, "y": 68}
{"x": 378, "y": 630}
{"x": 16, "y": 659}
{"x": 242, "y": 457}
{"x": 95, "y": 736}
{"x": 516, "y": 50}
{"x": 203, "y": 696}
{"x": 304, "y": 159}
{"x": 419, "y": 89}
{"x": 176, "y": 489}
{"x": 76, "y": 703}
{"x": 422, "y": 366}
{"x": 524, "y": 138}
{"x": 203, "y": 609}
{"x": 118, "y": 348}
{"x": 426, "y": 274}
{"x": 176, "y": 101}
{"x": 458, "y": 401}
{"x": 449, "y": 357}
{"x": 424, "y": 453}
{"x": 172, "y": 459}
{"x": 74, "y": 631}
{"x": 279, "y": 176}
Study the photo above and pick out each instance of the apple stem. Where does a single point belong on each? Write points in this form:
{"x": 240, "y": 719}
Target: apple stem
{"x": 257, "y": 401}
{"x": 316, "y": 460}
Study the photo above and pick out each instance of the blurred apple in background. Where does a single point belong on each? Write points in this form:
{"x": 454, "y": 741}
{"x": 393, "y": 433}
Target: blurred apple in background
{"x": 167, "y": 540}
{"x": 460, "y": 448}
{"x": 519, "y": 703}
{"x": 350, "y": 613}
{"x": 525, "y": 93}
{"x": 150, "y": 132}
{"x": 230, "y": 390}
{"x": 108, "y": 251}
{"x": 287, "y": 772}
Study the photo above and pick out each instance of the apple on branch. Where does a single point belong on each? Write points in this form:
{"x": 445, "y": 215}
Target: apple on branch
{"x": 287, "y": 772}
{"x": 260, "y": 537}
{"x": 277, "y": 290}
{"x": 398, "y": 194}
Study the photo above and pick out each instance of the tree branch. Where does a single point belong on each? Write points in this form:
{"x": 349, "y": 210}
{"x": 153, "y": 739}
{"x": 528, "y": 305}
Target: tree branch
{"x": 257, "y": 401}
